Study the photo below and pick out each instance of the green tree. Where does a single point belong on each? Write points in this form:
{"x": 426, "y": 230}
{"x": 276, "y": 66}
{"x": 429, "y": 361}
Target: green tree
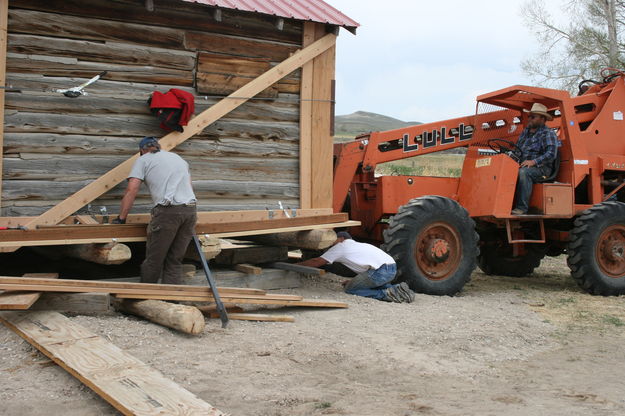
{"x": 587, "y": 38}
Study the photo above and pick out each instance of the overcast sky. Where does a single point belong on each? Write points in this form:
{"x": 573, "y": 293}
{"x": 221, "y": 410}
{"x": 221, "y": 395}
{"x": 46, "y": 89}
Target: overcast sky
{"x": 428, "y": 60}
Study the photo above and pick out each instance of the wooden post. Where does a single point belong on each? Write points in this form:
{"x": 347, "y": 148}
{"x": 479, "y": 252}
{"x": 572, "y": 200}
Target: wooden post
{"x": 183, "y": 318}
{"x": 322, "y": 141}
{"x": 305, "y": 124}
{"x": 116, "y": 175}
{"x": 4, "y": 18}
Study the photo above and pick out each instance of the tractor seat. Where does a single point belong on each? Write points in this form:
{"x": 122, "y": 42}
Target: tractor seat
{"x": 555, "y": 167}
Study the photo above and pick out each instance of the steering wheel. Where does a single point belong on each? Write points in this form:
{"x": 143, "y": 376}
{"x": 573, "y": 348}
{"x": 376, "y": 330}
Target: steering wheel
{"x": 506, "y": 147}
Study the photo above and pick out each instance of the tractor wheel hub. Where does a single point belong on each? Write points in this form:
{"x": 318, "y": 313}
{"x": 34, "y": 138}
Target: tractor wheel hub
{"x": 438, "y": 250}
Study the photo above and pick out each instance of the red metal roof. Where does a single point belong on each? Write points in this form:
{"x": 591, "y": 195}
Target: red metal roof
{"x": 312, "y": 10}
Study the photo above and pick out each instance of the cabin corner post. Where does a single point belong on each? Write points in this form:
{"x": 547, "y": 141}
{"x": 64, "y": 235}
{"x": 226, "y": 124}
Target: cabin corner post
{"x": 305, "y": 143}
{"x": 322, "y": 140}
{"x": 4, "y": 19}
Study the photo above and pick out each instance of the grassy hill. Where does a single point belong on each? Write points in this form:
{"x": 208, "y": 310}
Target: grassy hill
{"x": 350, "y": 125}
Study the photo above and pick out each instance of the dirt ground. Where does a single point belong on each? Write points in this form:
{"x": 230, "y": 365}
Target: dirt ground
{"x": 531, "y": 346}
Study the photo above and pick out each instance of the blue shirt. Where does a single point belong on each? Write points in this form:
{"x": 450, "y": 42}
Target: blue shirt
{"x": 541, "y": 146}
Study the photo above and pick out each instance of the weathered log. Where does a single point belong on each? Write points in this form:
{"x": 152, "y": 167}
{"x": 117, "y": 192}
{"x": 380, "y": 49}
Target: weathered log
{"x": 183, "y": 318}
{"x": 109, "y": 52}
{"x": 210, "y": 247}
{"x": 226, "y": 84}
{"x": 172, "y": 13}
{"x": 103, "y": 105}
{"x": 311, "y": 240}
{"x": 62, "y": 66}
{"x": 72, "y": 168}
{"x": 140, "y": 125}
{"x": 109, "y": 254}
{"x": 74, "y": 144}
{"x": 214, "y": 42}
{"x": 75, "y": 27}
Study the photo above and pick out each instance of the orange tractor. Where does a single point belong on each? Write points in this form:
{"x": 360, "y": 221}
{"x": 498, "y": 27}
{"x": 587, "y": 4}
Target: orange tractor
{"x": 439, "y": 228}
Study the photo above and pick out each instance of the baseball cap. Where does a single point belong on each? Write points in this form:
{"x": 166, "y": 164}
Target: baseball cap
{"x": 147, "y": 141}
{"x": 343, "y": 234}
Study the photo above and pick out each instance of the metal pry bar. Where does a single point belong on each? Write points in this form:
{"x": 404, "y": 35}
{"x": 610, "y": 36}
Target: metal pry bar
{"x": 223, "y": 314}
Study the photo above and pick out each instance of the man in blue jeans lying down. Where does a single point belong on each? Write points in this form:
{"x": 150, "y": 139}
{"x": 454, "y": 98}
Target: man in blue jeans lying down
{"x": 375, "y": 269}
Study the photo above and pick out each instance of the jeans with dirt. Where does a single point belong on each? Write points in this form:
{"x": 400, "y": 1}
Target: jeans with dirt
{"x": 371, "y": 284}
{"x": 527, "y": 178}
{"x": 170, "y": 231}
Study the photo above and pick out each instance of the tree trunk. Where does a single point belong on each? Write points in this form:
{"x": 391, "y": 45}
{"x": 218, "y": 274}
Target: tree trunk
{"x": 311, "y": 240}
{"x": 112, "y": 253}
{"x": 187, "y": 319}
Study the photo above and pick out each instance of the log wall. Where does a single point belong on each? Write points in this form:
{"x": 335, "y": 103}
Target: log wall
{"x": 54, "y": 145}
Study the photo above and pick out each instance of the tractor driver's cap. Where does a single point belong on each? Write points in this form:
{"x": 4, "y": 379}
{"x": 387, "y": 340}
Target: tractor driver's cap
{"x": 343, "y": 234}
{"x": 540, "y": 109}
{"x": 148, "y": 141}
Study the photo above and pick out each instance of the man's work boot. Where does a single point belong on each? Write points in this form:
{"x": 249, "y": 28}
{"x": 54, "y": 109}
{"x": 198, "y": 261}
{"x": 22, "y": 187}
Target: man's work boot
{"x": 518, "y": 211}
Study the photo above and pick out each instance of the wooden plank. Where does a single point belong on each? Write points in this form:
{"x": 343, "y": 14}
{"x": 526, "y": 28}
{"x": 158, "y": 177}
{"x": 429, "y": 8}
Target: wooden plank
{"x": 214, "y": 217}
{"x": 111, "y": 286}
{"x": 322, "y": 145}
{"x": 244, "y": 301}
{"x": 86, "y": 219}
{"x": 23, "y": 301}
{"x": 79, "y": 303}
{"x": 197, "y": 124}
{"x": 248, "y": 268}
{"x": 12, "y": 241}
{"x": 297, "y": 268}
{"x": 260, "y": 317}
{"x": 306, "y": 138}
{"x": 134, "y": 230}
{"x": 126, "y": 383}
{"x": 4, "y": 13}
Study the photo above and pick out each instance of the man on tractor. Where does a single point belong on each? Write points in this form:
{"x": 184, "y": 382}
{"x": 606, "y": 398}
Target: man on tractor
{"x": 539, "y": 146}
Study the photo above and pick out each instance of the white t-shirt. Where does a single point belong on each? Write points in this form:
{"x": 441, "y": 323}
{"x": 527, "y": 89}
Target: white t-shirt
{"x": 359, "y": 257}
{"x": 167, "y": 177}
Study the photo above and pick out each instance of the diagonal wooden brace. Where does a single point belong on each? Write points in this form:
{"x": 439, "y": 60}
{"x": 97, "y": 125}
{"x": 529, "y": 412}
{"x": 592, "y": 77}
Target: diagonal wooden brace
{"x": 116, "y": 175}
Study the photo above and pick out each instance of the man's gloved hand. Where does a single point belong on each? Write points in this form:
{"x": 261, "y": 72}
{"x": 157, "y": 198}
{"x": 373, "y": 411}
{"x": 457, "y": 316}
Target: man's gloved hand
{"x": 118, "y": 221}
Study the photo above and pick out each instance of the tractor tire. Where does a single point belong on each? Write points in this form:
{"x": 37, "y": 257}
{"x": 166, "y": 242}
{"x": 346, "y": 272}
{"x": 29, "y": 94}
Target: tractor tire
{"x": 434, "y": 243}
{"x": 495, "y": 259}
{"x": 596, "y": 250}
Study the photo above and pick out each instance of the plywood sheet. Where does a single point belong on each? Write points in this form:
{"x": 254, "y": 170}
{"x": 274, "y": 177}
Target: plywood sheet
{"x": 126, "y": 383}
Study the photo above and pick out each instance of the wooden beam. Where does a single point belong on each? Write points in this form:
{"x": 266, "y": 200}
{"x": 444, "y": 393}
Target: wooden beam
{"x": 297, "y": 303}
{"x": 8, "y": 241}
{"x": 297, "y": 268}
{"x": 93, "y": 285}
{"x": 116, "y": 175}
{"x": 4, "y": 18}
{"x": 322, "y": 145}
{"x": 305, "y": 124}
{"x": 128, "y": 384}
{"x": 21, "y": 300}
{"x": 202, "y": 217}
{"x": 79, "y": 303}
{"x": 139, "y": 230}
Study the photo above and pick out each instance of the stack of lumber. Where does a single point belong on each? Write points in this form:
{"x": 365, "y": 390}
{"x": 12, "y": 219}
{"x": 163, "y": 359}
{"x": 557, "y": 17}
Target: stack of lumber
{"x": 160, "y": 292}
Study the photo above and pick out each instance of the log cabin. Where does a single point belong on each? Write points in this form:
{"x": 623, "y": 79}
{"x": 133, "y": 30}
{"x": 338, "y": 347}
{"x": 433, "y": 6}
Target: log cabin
{"x": 259, "y": 146}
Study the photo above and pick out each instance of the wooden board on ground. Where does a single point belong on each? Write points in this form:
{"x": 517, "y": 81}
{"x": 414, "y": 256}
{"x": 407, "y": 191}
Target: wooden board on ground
{"x": 255, "y": 317}
{"x": 80, "y": 303}
{"x": 246, "y": 301}
{"x": 21, "y": 300}
{"x": 126, "y": 383}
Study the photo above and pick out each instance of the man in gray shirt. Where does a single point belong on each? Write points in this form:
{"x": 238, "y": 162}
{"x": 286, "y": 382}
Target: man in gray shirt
{"x": 174, "y": 214}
